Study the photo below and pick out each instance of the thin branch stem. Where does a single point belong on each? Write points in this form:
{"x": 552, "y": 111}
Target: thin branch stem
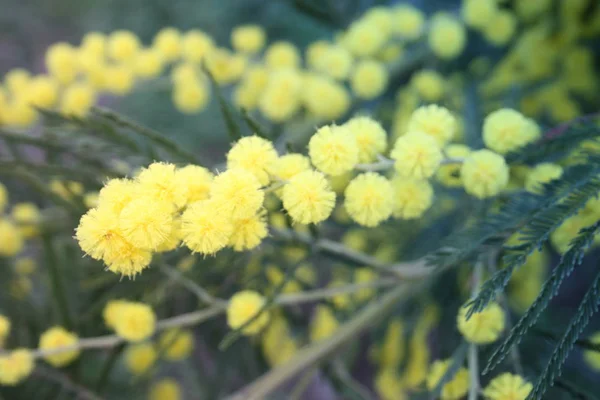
{"x": 384, "y": 164}
{"x": 327, "y": 293}
{"x": 192, "y": 286}
{"x": 66, "y": 383}
{"x": 473, "y": 356}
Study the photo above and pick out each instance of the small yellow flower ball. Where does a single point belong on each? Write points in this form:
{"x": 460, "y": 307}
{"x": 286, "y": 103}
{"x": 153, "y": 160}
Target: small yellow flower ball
{"x": 148, "y": 63}
{"x": 254, "y": 154}
{"x": 483, "y": 327}
{"x": 315, "y": 52}
{"x": 243, "y": 307}
{"x": 111, "y": 312}
{"x": 447, "y": 36}
{"x": 457, "y": 387}
{"x": 24, "y": 266}
{"x": 449, "y": 174}
{"x": 478, "y": 13}
{"x": 336, "y": 62}
{"x": 4, "y": 328}
{"x": 248, "y": 232}
{"x": 484, "y": 174}
{"x": 541, "y": 174}
{"x": 146, "y": 222}
{"x": 16, "y": 80}
{"x": 135, "y": 322}
{"x": 507, "y": 130}
{"x": 333, "y": 150}
{"x": 159, "y": 181}
{"x": 224, "y": 66}
{"x": 429, "y": 85}
{"x": 290, "y": 165}
{"x": 388, "y": 384}
{"x": 411, "y": 197}
{"x": 237, "y": 193}
{"x": 27, "y": 216}
{"x": 308, "y": 198}
{"x": 165, "y": 389}
{"x": 203, "y": 229}
{"x": 435, "y": 121}
{"x": 58, "y": 337}
{"x": 122, "y": 45}
{"x": 507, "y": 387}
{"x": 176, "y": 344}
{"x": 591, "y": 357}
{"x": 191, "y": 96}
{"x": 77, "y": 99}
{"x": 42, "y": 91}
{"x": 501, "y": 29}
{"x": 248, "y": 38}
{"x": 117, "y": 193}
{"x": 61, "y": 62}
{"x": 168, "y": 42}
{"x": 369, "y": 79}
{"x": 196, "y": 45}
{"x": 197, "y": 180}
{"x": 364, "y": 38}
{"x": 324, "y": 98}
{"x": 94, "y": 43}
{"x": 369, "y": 199}
{"x": 370, "y": 136}
{"x": 140, "y": 358}
{"x": 118, "y": 79}
{"x": 16, "y": 366}
{"x": 324, "y": 324}
{"x": 282, "y": 54}
{"x": 408, "y": 22}
{"x": 19, "y": 113}
{"x": 11, "y": 240}
{"x": 416, "y": 155}
{"x": 281, "y": 98}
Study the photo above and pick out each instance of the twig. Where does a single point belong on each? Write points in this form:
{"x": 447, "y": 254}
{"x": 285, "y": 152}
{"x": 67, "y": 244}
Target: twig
{"x": 58, "y": 287}
{"x": 198, "y": 290}
{"x": 66, "y": 383}
{"x": 343, "y": 374}
{"x": 303, "y": 383}
{"x": 384, "y": 164}
{"x": 327, "y": 293}
{"x": 473, "y": 357}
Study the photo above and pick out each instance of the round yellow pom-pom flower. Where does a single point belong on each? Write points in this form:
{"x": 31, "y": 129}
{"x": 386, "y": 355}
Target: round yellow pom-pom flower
{"x": 122, "y": 45}
{"x": 42, "y": 91}
{"x": 140, "y": 357}
{"x": 447, "y": 36}
{"x": 55, "y": 338}
{"x": 333, "y": 150}
{"x": 483, "y": 327}
{"x": 323, "y": 324}
{"x": 308, "y": 197}
{"x": 25, "y": 266}
{"x": 282, "y": 55}
{"x": 77, "y": 99}
{"x": 449, "y": 174}
{"x": 484, "y": 174}
{"x": 458, "y": 385}
{"x": 4, "y": 328}
{"x": 281, "y": 98}
{"x": 158, "y": 181}
{"x": 248, "y": 38}
{"x": 245, "y": 306}
{"x": 117, "y": 193}
{"x": 408, "y": 21}
{"x": 118, "y": 79}
{"x": 237, "y": 193}
{"x": 168, "y": 42}
{"x": 478, "y": 13}
{"x": 165, "y": 389}
{"x": 111, "y": 312}
{"x": 11, "y": 241}
{"x": 135, "y": 322}
{"x": 335, "y": 62}
{"x": 148, "y": 63}
{"x": 27, "y": 216}
{"x": 15, "y": 367}
{"x": 429, "y": 85}
{"x": 16, "y": 80}
{"x": 196, "y": 45}
{"x": 369, "y": 79}
{"x": 146, "y": 222}
{"x": 507, "y": 387}
{"x": 370, "y": 136}
{"x": 61, "y": 62}
{"x": 507, "y": 130}
{"x": 542, "y": 173}
{"x": 254, "y": 154}
{"x": 591, "y": 357}
{"x": 435, "y": 121}
{"x": 290, "y": 165}
{"x": 197, "y": 180}
{"x": 98, "y": 233}
{"x": 411, "y": 197}
{"x": 176, "y": 344}
{"x": 190, "y": 96}
{"x": 203, "y": 229}
{"x": 324, "y": 98}
{"x": 501, "y": 29}
{"x": 364, "y": 38}
{"x": 248, "y": 232}
{"x": 369, "y": 199}
{"x": 416, "y": 155}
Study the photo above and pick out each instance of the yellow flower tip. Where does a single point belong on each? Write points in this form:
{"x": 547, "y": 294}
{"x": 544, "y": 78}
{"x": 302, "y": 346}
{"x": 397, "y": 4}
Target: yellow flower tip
{"x": 140, "y": 358}
{"x": 16, "y": 80}
{"x": 197, "y": 180}
{"x": 248, "y": 38}
{"x": 411, "y": 198}
{"x": 501, "y": 28}
{"x": 122, "y": 45}
{"x": 111, "y": 311}
{"x": 435, "y": 121}
{"x": 364, "y": 38}
{"x": 484, "y": 174}
{"x": 429, "y": 85}
{"x": 27, "y": 216}
{"x": 290, "y": 165}
{"x": 237, "y": 193}
{"x": 148, "y": 63}
{"x": 389, "y": 385}
{"x": 483, "y": 327}
{"x": 541, "y": 174}
{"x": 173, "y": 239}
{"x": 77, "y": 99}
{"x": 591, "y": 357}
{"x": 478, "y": 13}
{"x": 196, "y": 45}
{"x": 507, "y": 130}
{"x": 361, "y": 276}
{"x": 4, "y": 328}
{"x": 336, "y": 62}
{"x": 369, "y": 79}
{"x": 447, "y": 36}
{"x": 165, "y": 389}
{"x": 11, "y": 239}
{"x": 280, "y": 99}
{"x": 324, "y": 98}
{"x": 409, "y": 22}
{"x": 204, "y": 230}
{"x": 370, "y": 136}
{"x": 116, "y": 194}
{"x": 158, "y": 181}
{"x": 282, "y": 54}
{"x": 24, "y": 266}
{"x": 41, "y": 91}
{"x": 61, "y": 62}
{"x": 416, "y": 155}
{"x": 507, "y": 387}
{"x": 308, "y": 198}
{"x": 168, "y": 42}
{"x": 118, "y": 79}
{"x": 98, "y": 233}
{"x": 135, "y": 322}
{"x": 323, "y": 324}
{"x": 449, "y": 175}
{"x": 58, "y": 337}
{"x": 245, "y": 306}
{"x": 457, "y": 387}
{"x": 332, "y": 150}
{"x": 176, "y": 344}
{"x": 191, "y": 95}
{"x": 254, "y": 154}
{"x": 248, "y": 232}
{"x": 146, "y": 223}
{"x": 369, "y": 199}
{"x": 16, "y": 366}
